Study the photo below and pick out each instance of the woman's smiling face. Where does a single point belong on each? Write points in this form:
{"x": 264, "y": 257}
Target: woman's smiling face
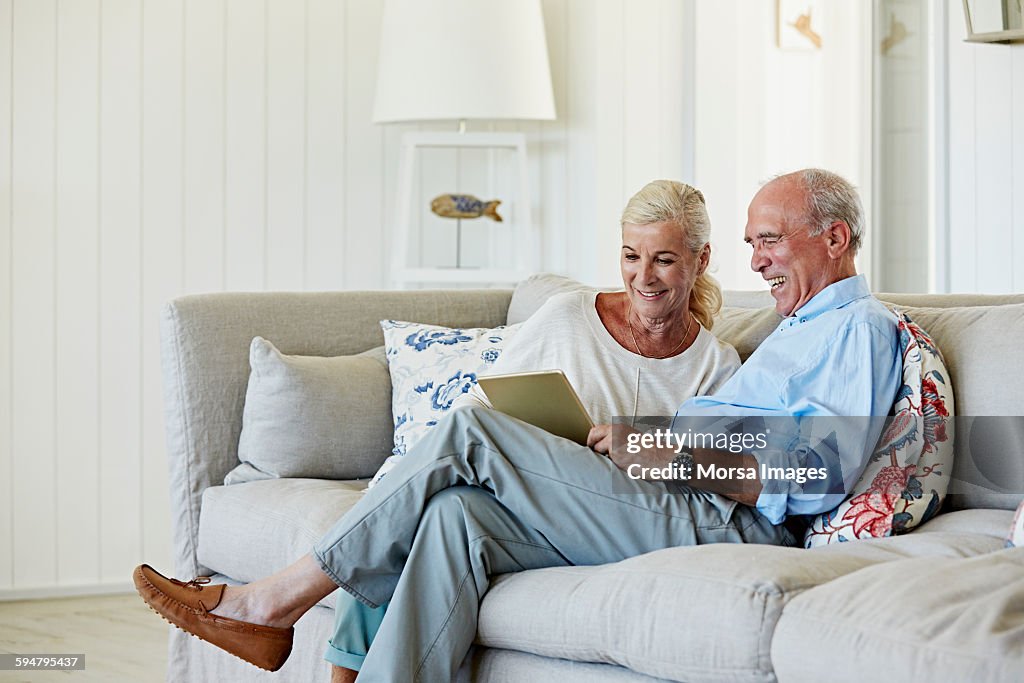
{"x": 658, "y": 270}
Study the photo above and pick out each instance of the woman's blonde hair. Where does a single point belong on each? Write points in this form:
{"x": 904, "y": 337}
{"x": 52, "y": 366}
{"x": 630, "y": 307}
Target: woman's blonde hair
{"x": 683, "y": 205}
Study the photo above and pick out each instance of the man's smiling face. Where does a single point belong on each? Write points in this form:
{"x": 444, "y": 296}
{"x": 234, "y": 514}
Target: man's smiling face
{"x": 796, "y": 265}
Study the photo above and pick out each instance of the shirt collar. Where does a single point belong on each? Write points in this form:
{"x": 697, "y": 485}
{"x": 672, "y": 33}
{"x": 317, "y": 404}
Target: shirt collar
{"x": 836, "y": 295}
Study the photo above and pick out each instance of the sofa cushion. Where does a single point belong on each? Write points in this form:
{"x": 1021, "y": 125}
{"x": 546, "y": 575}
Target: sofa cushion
{"x": 981, "y": 521}
{"x": 937, "y": 544}
{"x": 508, "y": 666}
{"x": 981, "y": 349}
{"x": 431, "y": 367}
{"x": 530, "y": 294}
{"x": 641, "y": 613}
{"x": 745, "y": 328}
{"x": 249, "y": 531}
{"x": 313, "y": 416}
{"x": 917, "y": 620}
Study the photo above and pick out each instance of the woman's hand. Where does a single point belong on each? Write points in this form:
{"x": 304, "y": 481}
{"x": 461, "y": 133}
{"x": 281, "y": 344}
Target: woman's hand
{"x": 600, "y": 439}
{"x": 611, "y": 440}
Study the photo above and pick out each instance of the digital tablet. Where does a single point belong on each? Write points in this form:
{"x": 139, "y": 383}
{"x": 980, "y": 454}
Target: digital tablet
{"x": 544, "y": 399}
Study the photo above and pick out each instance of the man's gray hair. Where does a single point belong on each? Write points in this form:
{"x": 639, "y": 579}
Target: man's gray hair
{"x": 830, "y": 198}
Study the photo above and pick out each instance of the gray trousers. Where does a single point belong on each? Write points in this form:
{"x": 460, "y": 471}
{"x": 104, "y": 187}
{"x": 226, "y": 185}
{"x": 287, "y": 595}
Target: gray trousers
{"x": 485, "y": 494}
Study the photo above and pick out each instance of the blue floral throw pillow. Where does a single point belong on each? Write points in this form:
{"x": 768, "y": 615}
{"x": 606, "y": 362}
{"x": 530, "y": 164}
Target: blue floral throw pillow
{"x": 431, "y": 368}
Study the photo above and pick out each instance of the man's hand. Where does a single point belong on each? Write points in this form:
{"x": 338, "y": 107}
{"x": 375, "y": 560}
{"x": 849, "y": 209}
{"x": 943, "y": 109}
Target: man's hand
{"x": 611, "y": 441}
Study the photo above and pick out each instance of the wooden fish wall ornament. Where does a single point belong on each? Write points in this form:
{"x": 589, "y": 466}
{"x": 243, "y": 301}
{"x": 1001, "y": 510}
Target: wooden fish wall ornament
{"x": 464, "y": 206}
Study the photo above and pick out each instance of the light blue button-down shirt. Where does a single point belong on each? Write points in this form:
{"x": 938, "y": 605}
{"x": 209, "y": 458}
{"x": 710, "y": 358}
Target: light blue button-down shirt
{"x": 837, "y": 355}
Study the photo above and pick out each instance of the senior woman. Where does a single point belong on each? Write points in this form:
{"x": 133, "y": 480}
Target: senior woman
{"x": 484, "y": 494}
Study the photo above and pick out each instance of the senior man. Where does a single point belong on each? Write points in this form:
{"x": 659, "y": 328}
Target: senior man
{"x": 484, "y": 494}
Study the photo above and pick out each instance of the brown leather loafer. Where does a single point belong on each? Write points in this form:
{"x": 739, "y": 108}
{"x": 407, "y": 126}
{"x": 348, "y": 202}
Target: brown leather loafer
{"x": 188, "y": 605}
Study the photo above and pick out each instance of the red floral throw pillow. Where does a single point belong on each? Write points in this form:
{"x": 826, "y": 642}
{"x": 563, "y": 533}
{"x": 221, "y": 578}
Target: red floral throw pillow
{"x": 906, "y": 481}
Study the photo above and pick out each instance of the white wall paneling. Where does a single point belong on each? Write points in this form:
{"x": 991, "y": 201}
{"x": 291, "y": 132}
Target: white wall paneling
{"x": 77, "y": 297}
{"x": 609, "y": 126}
{"x": 120, "y": 287}
{"x": 204, "y": 135}
{"x": 370, "y": 156}
{"x": 33, "y": 323}
{"x": 1017, "y": 160}
{"x": 985, "y": 92}
{"x": 154, "y": 148}
{"x": 324, "y": 142}
{"x": 762, "y": 110}
{"x": 287, "y": 91}
{"x": 962, "y": 167}
{"x": 6, "y": 297}
{"x": 245, "y": 141}
{"x": 580, "y": 108}
{"x": 163, "y": 240}
{"x": 994, "y": 189}
{"x": 902, "y": 224}
{"x": 938, "y": 170}
{"x": 549, "y": 143}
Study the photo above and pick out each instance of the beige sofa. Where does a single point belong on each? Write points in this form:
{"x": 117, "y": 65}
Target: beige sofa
{"x": 940, "y": 604}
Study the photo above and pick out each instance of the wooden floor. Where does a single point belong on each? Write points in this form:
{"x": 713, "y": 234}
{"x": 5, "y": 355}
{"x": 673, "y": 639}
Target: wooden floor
{"x": 121, "y": 638}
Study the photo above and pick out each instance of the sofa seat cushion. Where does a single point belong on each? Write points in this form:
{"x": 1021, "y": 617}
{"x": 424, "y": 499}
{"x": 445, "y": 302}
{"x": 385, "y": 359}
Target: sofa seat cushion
{"x": 248, "y": 531}
{"x": 695, "y": 613}
{"x": 925, "y": 619}
{"x": 982, "y": 521}
{"x": 964, "y": 533}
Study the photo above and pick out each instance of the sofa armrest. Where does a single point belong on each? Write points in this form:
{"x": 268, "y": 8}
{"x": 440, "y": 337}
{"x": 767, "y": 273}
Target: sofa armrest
{"x": 204, "y": 353}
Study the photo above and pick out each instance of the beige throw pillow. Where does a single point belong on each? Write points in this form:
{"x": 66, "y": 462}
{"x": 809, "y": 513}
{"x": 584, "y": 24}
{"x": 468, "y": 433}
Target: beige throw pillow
{"x": 314, "y": 417}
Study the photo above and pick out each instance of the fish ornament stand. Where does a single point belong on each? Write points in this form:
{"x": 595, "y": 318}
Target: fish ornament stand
{"x": 459, "y": 206}
{"x": 503, "y": 268}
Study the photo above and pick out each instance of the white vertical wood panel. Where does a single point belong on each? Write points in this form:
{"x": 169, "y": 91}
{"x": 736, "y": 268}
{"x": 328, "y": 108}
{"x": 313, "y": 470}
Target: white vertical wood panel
{"x": 77, "y": 305}
{"x": 487, "y": 241}
{"x": 1017, "y": 191}
{"x": 610, "y": 139}
{"x": 717, "y": 62}
{"x": 994, "y": 212}
{"x": 642, "y": 99}
{"x": 580, "y": 117}
{"x": 671, "y": 57}
{"x": 120, "y": 289}
{"x": 384, "y": 194}
{"x": 245, "y": 144}
{"x": 6, "y": 312}
{"x": 286, "y": 139}
{"x": 534, "y": 131}
{"x": 369, "y": 192}
{"x": 962, "y": 161}
{"x": 204, "y": 145}
{"x": 162, "y": 246}
{"x": 32, "y": 315}
{"x": 552, "y": 191}
{"x": 325, "y": 147}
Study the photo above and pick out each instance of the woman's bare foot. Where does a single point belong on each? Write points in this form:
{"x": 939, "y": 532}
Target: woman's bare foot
{"x": 342, "y": 675}
{"x": 280, "y": 599}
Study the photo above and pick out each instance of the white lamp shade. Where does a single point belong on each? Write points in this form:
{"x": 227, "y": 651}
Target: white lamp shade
{"x": 463, "y": 59}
